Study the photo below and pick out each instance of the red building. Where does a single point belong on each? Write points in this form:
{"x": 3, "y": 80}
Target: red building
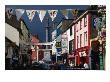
{"x": 84, "y": 32}
{"x": 36, "y": 54}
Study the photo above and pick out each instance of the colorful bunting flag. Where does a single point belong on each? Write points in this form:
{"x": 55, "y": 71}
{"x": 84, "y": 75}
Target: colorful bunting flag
{"x": 74, "y": 12}
{"x": 30, "y": 14}
{"x": 65, "y": 13}
{"x": 19, "y": 13}
{"x": 53, "y": 13}
{"x": 9, "y": 12}
{"x": 41, "y": 14}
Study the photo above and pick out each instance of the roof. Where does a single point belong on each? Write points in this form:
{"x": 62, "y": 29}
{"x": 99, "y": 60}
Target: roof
{"x": 82, "y": 15}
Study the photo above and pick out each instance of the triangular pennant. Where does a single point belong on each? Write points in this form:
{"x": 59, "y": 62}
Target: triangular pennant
{"x": 65, "y": 13}
{"x": 41, "y": 14}
{"x": 74, "y": 12}
{"x": 9, "y": 12}
{"x": 30, "y": 14}
{"x": 19, "y": 13}
{"x": 53, "y": 13}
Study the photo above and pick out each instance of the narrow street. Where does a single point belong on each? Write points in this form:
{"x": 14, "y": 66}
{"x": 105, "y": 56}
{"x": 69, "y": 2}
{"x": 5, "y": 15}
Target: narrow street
{"x": 61, "y": 37}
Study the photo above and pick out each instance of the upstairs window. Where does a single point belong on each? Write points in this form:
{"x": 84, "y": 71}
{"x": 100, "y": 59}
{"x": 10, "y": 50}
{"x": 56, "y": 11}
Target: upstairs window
{"x": 70, "y": 31}
{"x": 85, "y": 21}
{"x": 80, "y": 24}
{"x": 77, "y": 41}
{"x": 77, "y": 27}
{"x": 80, "y": 40}
{"x": 85, "y": 37}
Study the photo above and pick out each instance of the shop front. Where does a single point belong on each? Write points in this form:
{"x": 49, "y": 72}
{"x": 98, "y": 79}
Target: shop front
{"x": 82, "y": 55}
{"x": 71, "y": 59}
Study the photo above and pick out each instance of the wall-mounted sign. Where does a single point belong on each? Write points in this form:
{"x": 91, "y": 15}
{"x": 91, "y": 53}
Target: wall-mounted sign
{"x": 58, "y": 44}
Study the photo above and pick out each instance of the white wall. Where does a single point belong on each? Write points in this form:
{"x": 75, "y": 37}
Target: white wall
{"x": 70, "y": 37}
{"x": 11, "y": 33}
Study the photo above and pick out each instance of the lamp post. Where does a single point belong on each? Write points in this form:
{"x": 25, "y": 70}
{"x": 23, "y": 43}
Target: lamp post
{"x": 47, "y": 29}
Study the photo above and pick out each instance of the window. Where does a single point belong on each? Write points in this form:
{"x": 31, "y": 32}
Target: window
{"x": 80, "y": 24}
{"x": 85, "y": 21}
{"x": 85, "y": 37}
{"x": 80, "y": 40}
{"x": 70, "y": 31}
{"x": 71, "y": 46}
{"x": 76, "y": 27}
{"x": 77, "y": 41}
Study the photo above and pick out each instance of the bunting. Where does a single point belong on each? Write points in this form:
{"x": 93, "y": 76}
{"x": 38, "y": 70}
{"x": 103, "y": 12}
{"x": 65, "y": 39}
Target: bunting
{"x": 9, "y": 12}
{"x": 74, "y": 12}
{"x": 65, "y": 13}
{"x": 41, "y": 14}
{"x": 53, "y": 13}
{"x": 30, "y": 14}
{"x": 19, "y": 13}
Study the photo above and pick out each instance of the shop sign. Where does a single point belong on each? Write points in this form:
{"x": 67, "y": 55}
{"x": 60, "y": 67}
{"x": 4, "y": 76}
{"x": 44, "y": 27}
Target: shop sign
{"x": 83, "y": 53}
{"x": 58, "y": 44}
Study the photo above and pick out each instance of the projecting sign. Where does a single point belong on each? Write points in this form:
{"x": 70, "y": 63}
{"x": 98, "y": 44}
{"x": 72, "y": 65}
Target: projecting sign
{"x": 99, "y": 22}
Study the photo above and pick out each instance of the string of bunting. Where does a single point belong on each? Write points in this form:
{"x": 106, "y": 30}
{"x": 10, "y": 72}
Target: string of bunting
{"x": 41, "y": 13}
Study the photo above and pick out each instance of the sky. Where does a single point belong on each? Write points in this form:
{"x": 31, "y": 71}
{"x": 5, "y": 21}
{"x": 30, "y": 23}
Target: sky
{"x": 37, "y": 27}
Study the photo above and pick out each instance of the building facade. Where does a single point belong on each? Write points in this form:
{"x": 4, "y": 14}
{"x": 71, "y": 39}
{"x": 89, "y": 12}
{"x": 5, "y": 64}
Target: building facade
{"x": 11, "y": 42}
{"x": 24, "y": 39}
{"x": 34, "y": 41}
{"x": 82, "y": 38}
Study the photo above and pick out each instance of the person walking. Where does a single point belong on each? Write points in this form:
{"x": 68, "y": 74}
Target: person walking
{"x": 71, "y": 65}
{"x": 86, "y": 66}
{"x": 9, "y": 58}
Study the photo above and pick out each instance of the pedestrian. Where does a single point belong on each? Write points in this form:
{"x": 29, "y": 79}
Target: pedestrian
{"x": 15, "y": 57}
{"x": 86, "y": 66}
{"x": 81, "y": 65}
{"x": 9, "y": 57}
{"x": 71, "y": 65}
